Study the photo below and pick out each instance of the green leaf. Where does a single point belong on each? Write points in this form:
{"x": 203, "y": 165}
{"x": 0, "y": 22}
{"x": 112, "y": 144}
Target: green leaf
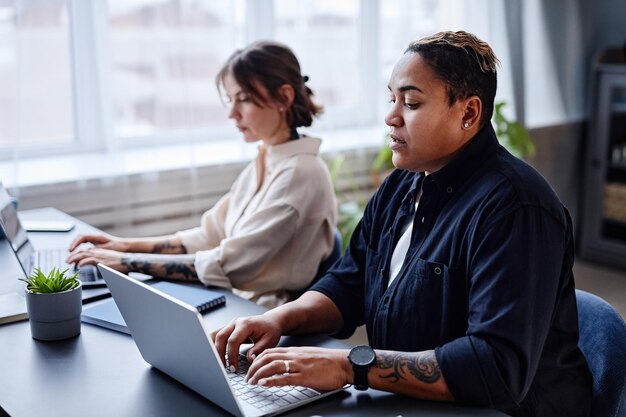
{"x": 55, "y": 281}
{"x": 512, "y": 135}
{"x": 384, "y": 159}
{"x": 335, "y": 167}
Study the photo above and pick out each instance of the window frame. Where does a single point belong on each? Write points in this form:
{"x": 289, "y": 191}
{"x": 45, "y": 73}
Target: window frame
{"x": 91, "y": 80}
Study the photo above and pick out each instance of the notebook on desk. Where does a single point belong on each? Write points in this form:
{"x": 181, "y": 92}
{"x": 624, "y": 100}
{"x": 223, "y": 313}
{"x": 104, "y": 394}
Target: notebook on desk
{"x": 12, "y": 307}
{"x": 28, "y": 257}
{"x": 107, "y": 314}
{"x": 172, "y": 337}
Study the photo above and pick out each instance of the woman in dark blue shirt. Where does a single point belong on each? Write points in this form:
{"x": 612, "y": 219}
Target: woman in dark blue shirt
{"x": 461, "y": 268}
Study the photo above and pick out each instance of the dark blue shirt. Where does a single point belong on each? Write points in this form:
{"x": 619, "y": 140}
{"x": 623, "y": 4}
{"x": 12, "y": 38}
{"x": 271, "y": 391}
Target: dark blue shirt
{"x": 487, "y": 281}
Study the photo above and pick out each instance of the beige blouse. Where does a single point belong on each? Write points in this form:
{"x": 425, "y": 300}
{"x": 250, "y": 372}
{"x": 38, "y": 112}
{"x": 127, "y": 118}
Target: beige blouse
{"x": 265, "y": 244}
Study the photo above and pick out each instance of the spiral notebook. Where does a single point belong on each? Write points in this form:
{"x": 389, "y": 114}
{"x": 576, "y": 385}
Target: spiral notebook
{"x": 106, "y": 313}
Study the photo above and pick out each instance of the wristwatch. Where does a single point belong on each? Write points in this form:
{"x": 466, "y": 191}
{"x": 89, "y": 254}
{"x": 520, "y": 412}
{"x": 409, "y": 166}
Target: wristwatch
{"x": 361, "y": 358}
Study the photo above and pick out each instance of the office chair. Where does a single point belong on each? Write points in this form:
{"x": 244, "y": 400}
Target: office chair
{"x": 328, "y": 262}
{"x": 324, "y": 265}
{"x": 603, "y": 342}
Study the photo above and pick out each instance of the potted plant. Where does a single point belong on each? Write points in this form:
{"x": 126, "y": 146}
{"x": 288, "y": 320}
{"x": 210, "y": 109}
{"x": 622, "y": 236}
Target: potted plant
{"x": 54, "y": 304}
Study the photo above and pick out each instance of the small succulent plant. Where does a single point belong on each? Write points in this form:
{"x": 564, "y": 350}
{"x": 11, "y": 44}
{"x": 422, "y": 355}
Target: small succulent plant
{"x": 55, "y": 281}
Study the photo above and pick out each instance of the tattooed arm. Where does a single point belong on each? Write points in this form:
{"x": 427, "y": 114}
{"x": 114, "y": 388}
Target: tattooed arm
{"x": 167, "y": 245}
{"x": 177, "y": 267}
{"x": 414, "y": 374}
{"x": 170, "y": 244}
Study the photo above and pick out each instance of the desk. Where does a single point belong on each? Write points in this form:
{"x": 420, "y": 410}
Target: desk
{"x": 101, "y": 373}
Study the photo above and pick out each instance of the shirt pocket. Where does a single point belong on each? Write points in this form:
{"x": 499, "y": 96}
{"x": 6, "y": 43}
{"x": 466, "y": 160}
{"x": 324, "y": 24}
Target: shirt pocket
{"x": 436, "y": 293}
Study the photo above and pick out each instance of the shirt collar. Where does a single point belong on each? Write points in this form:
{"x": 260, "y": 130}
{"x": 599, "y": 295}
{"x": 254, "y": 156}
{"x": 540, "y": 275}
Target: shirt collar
{"x": 408, "y": 202}
{"x": 449, "y": 178}
{"x": 302, "y": 146}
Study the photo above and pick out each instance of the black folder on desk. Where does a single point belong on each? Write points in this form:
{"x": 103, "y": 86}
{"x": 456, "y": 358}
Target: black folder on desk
{"x": 106, "y": 313}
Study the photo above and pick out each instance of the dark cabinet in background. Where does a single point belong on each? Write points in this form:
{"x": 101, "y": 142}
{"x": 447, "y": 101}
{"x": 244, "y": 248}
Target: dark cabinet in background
{"x": 603, "y": 237}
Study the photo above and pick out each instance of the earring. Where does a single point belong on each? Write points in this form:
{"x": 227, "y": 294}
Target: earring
{"x": 466, "y": 125}
{"x": 281, "y": 109}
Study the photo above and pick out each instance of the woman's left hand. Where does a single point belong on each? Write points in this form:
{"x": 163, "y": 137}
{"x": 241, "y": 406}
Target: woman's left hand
{"x": 96, "y": 255}
{"x": 317, "y": 368}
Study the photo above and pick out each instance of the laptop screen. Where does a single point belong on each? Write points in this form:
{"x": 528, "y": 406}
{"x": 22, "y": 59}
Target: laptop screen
{"x": 14, "y": 232}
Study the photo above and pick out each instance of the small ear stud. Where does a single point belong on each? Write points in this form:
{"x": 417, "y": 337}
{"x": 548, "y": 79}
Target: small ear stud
{"x": 281, "y": 109}
{"x": 466, "y": 125}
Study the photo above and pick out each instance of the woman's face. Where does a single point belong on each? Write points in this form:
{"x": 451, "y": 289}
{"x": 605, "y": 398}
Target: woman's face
{"x": 266, "y": 123}
{"x": 425, "y": 131}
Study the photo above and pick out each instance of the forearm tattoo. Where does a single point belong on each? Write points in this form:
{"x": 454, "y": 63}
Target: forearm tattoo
{"x": 422, "y": 366}
{"x": 169, "y": 247}
{"x": 178, "y": 267}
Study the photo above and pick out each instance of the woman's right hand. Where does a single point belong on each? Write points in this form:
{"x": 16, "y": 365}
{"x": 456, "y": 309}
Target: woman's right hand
{"x": 261, "y": 330}
{"x": 104, "y": 241}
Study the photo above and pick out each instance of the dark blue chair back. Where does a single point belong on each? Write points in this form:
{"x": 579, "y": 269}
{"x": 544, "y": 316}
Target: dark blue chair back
{"x": 603, "y": 342}
{"x": 332, "y": 258}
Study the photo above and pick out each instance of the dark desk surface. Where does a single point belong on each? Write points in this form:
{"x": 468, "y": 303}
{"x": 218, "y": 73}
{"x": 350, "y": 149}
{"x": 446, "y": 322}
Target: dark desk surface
{"x": 101, "y": 373}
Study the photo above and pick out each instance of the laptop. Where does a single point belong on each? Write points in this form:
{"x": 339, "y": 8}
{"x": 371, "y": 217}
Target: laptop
{"x": 45, "y": 259}
{"x": 159, "y": 322}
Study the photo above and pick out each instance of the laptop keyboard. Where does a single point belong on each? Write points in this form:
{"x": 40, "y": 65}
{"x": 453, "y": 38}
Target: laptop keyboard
{"x": 52, "y": 258}
{"x": 263, "y": 398}
{"x": 55, "y": 258}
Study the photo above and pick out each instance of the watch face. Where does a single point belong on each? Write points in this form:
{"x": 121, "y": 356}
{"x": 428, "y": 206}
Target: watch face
{"x": 362, "y": 355}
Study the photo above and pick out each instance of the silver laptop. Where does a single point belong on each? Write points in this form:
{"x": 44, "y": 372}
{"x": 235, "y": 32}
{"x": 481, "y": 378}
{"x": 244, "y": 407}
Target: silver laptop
{"x": 158, "y": 323}
{"x": 28, "y": 257}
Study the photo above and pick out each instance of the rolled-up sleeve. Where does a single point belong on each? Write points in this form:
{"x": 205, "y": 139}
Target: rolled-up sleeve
{"x": 513, "y": 289}
{"x": 211, "y": 230}
{"x": 238, "y": 259}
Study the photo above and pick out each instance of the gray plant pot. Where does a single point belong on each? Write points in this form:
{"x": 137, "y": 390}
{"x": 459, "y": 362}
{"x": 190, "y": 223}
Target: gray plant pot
{"x": 55, "y": 316}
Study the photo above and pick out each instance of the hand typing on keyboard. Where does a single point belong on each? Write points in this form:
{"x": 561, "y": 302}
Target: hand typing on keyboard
{"x": 318, "y": 368}
{"x": 104, "y": 241}
{"x": 95, "y": 255}
{"x": 264, "y": 398}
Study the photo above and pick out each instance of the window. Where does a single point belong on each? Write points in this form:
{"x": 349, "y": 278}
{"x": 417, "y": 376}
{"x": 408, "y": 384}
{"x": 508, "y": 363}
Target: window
{"x": 140, "y": 72}
{"x": 401, "y": 21}
{"x": 309, "y": 28}
{"x": 35, "y": 77}
{"x": 164, "y": 59}
{"x": 96, "y": 76}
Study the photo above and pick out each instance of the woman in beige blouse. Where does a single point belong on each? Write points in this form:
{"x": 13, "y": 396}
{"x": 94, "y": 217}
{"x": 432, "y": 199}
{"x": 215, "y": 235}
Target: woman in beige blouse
{"x": 266, "y": 238}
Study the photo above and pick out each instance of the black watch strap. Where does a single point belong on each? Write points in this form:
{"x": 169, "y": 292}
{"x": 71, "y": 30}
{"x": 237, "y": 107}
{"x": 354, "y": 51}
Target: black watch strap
{"x": 361, "y": 358}
{"x": 360, "y": 378}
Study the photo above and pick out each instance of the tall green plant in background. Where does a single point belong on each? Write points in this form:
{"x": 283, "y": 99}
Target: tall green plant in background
{"x": 512, "y": 135}
{"x": 349, "y": 211}
{"x": 383, "y": 161}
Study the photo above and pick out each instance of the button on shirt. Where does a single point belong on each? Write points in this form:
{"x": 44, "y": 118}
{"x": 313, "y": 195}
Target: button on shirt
{"x": 487, "y": 282}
